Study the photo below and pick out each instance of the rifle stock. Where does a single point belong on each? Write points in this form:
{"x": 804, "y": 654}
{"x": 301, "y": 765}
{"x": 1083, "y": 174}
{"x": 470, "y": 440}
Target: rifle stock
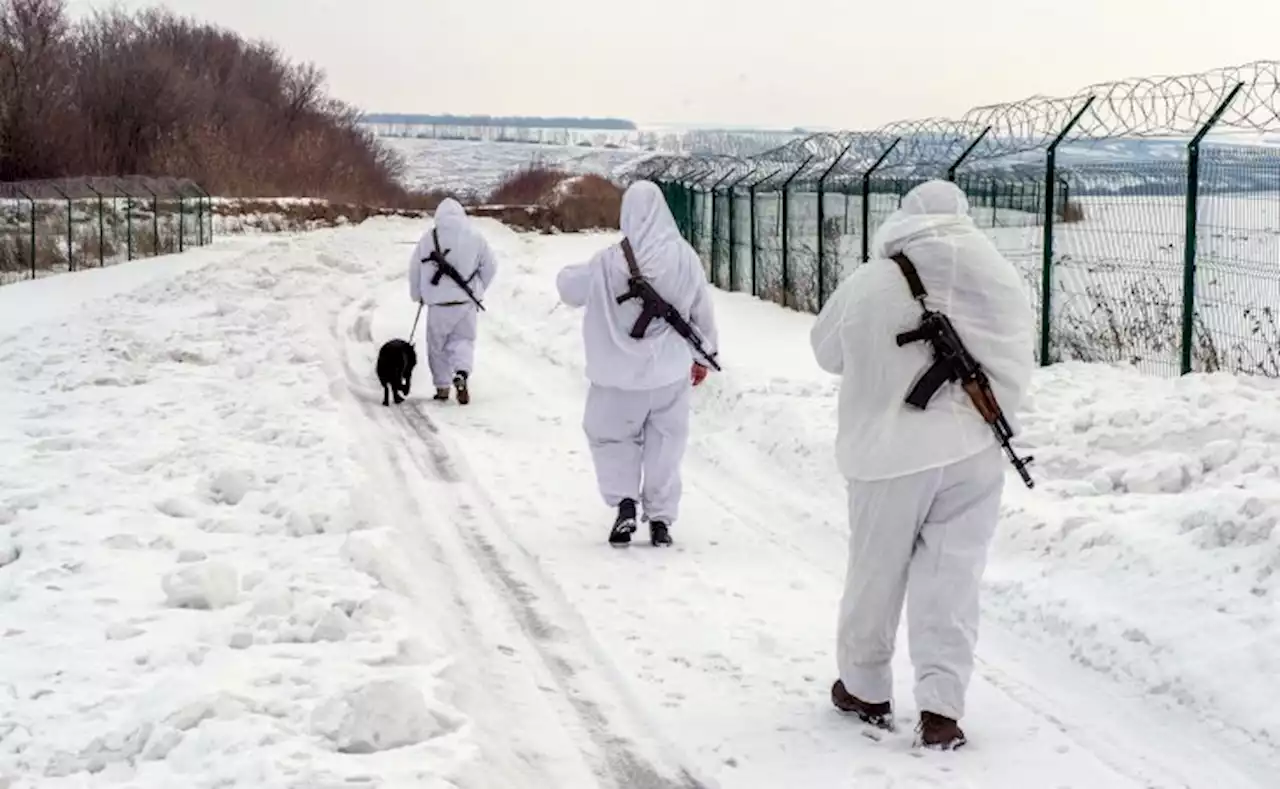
{"x": 953, "y": 362}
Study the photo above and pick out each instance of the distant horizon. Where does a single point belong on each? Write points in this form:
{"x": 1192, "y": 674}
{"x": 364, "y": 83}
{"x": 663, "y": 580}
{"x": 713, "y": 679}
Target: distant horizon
{"x": 469, "y": 119}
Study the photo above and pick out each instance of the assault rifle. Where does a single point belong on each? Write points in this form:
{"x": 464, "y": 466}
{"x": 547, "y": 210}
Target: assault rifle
{"x": 654, "y": 306}
{"x": 952, "y": 362}
{"x": 445, "y": 269}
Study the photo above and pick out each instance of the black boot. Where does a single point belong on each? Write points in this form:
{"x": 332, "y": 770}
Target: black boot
{"x": 659, "y": 534}
{"x": 460, "y": 383}
{"x": 625, "y": 524}
{"x": 879, "y": 714}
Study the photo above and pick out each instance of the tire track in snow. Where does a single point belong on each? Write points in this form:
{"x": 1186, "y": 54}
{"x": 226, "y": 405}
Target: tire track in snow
{"x": 613, "y": 758}
{"x": 622, "y": 765}
{"x": 519, "y": 747}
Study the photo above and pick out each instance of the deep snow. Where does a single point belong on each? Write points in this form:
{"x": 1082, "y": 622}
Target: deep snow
{"x": 223, "y": 563}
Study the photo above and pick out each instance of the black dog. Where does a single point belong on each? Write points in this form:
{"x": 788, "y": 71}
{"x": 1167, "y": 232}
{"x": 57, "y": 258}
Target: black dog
{"x": 396, "y": 361}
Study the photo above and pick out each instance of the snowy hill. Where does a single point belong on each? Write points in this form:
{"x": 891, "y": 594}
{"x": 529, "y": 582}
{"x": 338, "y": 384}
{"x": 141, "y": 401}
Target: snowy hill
{"x": 225, "y": 564}
{"x": 1114, "y": 167}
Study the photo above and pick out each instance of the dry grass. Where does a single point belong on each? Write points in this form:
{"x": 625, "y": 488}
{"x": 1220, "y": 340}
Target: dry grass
{"x": 592, "y": 203}
{"x": 531, "y": 185}
{"x": 1072, "y": 212}
{"x": 550, "y": 200}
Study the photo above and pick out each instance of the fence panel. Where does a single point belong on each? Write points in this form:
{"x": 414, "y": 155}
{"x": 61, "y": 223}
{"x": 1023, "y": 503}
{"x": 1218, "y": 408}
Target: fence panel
{"x": 1117, "y": 265}
{"x": 841, "y": 246}
{"x": 721, "y": 258}
{"x": 49, "y": 227}
{"x": 1237, "y": 285}
{"x": 768, "y": 257}
{"x": 802, "y": 251}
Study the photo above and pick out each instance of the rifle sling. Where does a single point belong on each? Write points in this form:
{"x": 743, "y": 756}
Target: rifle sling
{"x": 912, "y": 276}
{"x": 650, "y": 310}
{"x": 938, "y": 373}
{"x": 630, "y": 254}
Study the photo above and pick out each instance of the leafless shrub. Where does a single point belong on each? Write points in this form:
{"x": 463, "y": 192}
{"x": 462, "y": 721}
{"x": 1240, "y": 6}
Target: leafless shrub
{"x": 549, "y": 200}
{"x": 121, "y": 93}
{"x": 530, "y": 185}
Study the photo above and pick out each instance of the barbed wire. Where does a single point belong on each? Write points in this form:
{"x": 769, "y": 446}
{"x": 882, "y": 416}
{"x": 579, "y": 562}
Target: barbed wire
{"x": 1134, "y": 108}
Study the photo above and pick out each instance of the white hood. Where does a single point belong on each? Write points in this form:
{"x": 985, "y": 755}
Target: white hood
{"x": 671, "y": 266}
{"x": 464, "y": 248}
{"x": 453, "y": 227}
{"x": 968, "y": 280}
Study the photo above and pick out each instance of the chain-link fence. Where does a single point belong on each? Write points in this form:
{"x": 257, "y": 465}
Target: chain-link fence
{"x": 48, "y": 227}
{"x": 1146, "y": 234}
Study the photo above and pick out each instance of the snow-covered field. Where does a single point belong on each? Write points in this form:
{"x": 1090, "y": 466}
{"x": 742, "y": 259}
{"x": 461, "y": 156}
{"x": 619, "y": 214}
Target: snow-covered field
{"x": 226, "y": 565}
{"x": 476, "y": 168}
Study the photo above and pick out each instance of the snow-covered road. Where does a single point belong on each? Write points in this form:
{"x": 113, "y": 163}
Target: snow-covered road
{"x": 234, "y": 567}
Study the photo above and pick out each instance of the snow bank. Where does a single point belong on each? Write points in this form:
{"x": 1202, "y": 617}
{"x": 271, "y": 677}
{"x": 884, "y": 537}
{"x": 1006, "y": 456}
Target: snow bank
{"x": 379, "y": 716}
{"x": 1151, "y": 552}
{"x": 182, "y": 488}
{"x": 207, "y": 585}
{"x": 65, "y": 295}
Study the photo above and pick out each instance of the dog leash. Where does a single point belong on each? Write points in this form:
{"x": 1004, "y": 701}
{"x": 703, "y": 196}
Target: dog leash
{"x": 414, "y": 330}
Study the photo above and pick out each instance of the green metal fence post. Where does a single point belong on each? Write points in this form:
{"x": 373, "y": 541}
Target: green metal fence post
{"x": 128, "y": 222}
{"x": 822, "y": 230}
{"x": 71, "y": 252}
{"x": 1193, "y": 218}
{"x": 751, "y": 196}
{"x": 686, "y": 209}
{"x": 1046, "y": 274}
{"x": 786, "y": 232}
{"x": 951, "y": 171}
{"x": 866, "y": 199}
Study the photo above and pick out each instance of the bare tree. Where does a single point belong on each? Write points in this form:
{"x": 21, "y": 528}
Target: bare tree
{"x": 156, "y": 94}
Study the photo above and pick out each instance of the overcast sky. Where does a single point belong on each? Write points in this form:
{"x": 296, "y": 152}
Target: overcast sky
{"x": 778, "y": 63}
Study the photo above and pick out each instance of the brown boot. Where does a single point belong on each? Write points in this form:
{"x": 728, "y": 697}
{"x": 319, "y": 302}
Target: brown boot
{"x": 879, "y": 715}
{"x": 939, "y": 732}
{"x": 441, "y": 394}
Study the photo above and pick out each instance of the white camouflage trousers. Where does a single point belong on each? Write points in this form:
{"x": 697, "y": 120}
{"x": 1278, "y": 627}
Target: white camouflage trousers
{"x": 637, "y": 444}
{"x": 451, "y": 342}
{"x": 923, "y": 537}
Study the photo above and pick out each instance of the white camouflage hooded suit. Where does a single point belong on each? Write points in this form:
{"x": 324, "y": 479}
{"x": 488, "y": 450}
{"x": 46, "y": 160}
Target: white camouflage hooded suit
{"x": 451, "y": 315}
{"x": 924, "y": 485}
{"x": 637, "y": 412}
